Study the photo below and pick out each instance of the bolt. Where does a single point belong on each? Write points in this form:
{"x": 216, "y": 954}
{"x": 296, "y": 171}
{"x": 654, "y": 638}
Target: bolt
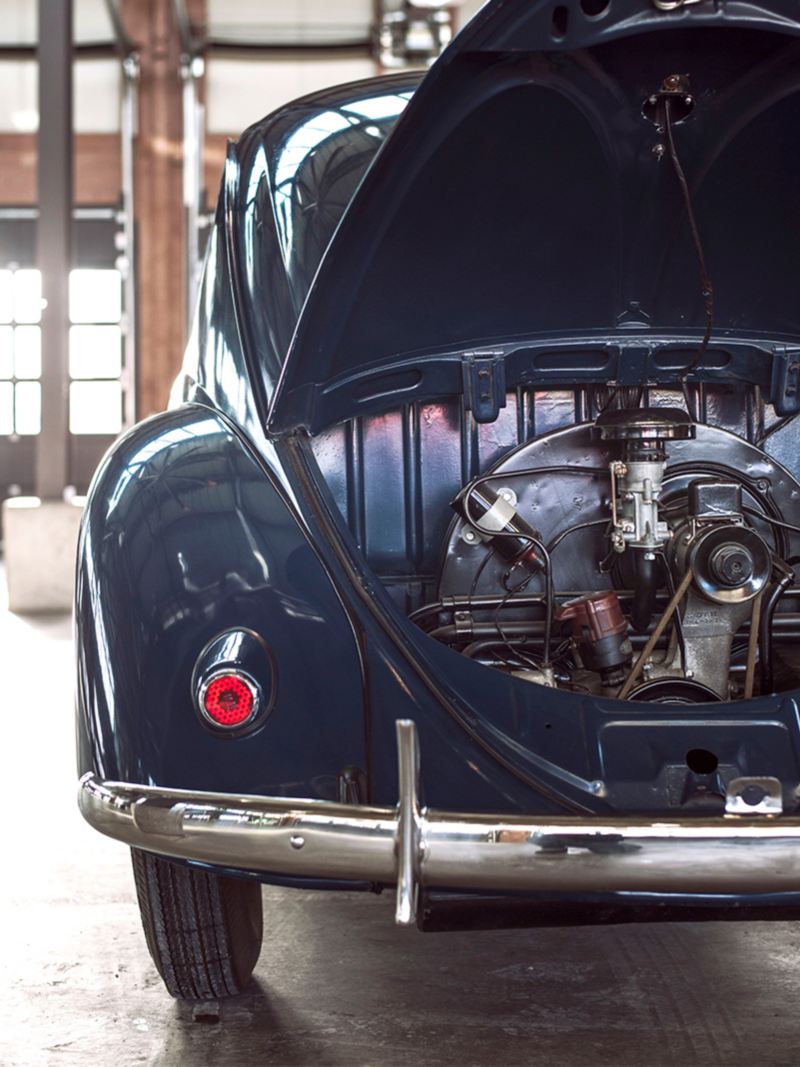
{"x": 296, "y": 841}
{"x": 752, "y": 795}
{"x": 469, "y": 535}
{"x": 658, "y": 151}
{"x": 732, "y": 565}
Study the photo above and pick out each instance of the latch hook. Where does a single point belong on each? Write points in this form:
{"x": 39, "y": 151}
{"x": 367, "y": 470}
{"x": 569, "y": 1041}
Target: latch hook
{"x": 673, "y": 5}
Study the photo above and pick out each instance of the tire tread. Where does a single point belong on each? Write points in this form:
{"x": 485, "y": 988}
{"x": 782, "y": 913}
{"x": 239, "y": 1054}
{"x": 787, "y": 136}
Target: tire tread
{"x": 203, "y": 930}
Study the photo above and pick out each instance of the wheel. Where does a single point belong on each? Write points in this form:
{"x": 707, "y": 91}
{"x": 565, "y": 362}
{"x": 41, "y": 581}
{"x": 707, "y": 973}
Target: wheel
{"x": 203, "y": 930}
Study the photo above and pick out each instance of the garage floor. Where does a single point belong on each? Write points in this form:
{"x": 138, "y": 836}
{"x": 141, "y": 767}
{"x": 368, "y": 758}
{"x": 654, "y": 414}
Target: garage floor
{"x": 337, "y": 983}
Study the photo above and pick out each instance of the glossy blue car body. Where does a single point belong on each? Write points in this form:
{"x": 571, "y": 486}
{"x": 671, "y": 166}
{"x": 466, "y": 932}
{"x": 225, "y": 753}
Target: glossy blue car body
{"x": 346, "y": 290}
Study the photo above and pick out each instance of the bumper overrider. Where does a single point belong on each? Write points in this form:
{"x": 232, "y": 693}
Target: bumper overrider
{"x": 410, "y": 846}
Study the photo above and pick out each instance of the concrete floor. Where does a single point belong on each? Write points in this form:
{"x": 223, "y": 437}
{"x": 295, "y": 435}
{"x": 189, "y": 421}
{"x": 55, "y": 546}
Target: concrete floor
{"x": 337, "y": 983}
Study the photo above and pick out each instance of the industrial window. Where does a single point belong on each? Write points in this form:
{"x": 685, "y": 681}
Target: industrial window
{"x": 20, "y": 352}
{"x": 95, "y": 352}
{"x": 96, "y": 91}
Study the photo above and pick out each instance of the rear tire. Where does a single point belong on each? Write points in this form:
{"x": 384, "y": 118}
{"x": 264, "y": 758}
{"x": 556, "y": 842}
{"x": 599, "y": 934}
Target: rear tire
{"x": 203, "y": 930}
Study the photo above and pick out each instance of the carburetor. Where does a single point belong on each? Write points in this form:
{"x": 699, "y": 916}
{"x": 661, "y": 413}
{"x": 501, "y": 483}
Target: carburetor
{"x": 637, "y": 476}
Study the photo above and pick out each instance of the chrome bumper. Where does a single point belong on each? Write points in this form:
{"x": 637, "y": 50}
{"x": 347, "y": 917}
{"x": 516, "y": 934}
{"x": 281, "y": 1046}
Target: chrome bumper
{"x": 409, "y": 847}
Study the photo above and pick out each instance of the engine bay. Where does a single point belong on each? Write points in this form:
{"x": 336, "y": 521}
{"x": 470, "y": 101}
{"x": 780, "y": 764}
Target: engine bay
{"x": 643, "y": 556}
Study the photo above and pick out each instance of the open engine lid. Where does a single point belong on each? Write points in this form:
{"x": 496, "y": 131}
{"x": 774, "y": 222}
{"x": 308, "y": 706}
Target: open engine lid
{"x": 524, "y": 219}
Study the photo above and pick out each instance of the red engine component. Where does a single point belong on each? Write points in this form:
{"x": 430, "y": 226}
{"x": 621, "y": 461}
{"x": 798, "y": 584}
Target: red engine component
{"x": 600, "y": 632}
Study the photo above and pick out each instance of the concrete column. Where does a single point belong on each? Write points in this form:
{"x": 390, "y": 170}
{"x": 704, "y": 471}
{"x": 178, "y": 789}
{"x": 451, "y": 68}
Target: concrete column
{"x": 41, "y": 533}
{"x": 54, "y": 238}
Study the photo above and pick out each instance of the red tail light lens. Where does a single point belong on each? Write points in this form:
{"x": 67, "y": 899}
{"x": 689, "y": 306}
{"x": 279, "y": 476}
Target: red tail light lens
{"x": 229, "y": 699}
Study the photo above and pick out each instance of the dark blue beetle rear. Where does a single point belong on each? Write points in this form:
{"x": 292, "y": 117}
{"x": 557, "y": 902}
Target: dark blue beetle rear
{"x": 406, "y": 288}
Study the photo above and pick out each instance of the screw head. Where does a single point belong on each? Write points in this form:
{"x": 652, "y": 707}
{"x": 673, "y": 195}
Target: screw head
{"x": 732, "y": 565}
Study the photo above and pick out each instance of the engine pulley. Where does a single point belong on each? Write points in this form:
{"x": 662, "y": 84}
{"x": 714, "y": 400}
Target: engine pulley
{"x": 730, "y": 560}
{"x": 674, "y": 691}
{"x": 731, "y": 564}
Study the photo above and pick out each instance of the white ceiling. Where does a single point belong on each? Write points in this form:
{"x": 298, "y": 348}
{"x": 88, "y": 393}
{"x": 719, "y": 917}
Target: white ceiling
{"x": 243, "y": 20}
{"x": 289, "y": 21}
{"x": 297, "y": 21}
{"x": 468, "y": 9}
{"x": 18, "y": 21}
{"x": 241, "y": 91}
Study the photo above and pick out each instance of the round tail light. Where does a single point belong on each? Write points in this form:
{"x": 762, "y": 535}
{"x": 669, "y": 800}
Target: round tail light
{"x": 229, "y": 699}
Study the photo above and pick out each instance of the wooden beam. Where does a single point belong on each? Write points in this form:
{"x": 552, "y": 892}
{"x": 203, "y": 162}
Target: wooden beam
{"x": 215, "y": 153}
{"x": 96, "y": 169}
{"x": 159, "y": 212}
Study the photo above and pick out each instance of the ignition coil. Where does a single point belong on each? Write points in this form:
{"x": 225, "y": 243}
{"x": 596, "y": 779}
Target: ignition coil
{"x": 493, "y": 517}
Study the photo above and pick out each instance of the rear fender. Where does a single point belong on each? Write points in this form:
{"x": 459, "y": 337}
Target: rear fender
{"x": 187, "y": 535}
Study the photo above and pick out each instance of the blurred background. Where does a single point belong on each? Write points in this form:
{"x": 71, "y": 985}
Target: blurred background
{"x": 157, "y": 88}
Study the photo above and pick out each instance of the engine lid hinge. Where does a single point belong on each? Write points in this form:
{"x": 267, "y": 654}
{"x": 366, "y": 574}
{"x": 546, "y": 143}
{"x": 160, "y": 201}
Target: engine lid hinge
{"x": 786, "y": 380}
{"x": 484, "y": 375}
